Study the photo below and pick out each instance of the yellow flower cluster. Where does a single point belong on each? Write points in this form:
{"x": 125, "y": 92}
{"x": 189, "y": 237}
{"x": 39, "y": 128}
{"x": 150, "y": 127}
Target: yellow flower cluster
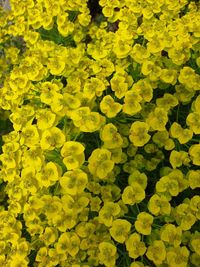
{"x": 99, "y": 133}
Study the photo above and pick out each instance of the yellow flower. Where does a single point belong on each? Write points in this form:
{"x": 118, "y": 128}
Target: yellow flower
{"x": 119, "y": 85}
{"x": 116, "y": 155}
{"x": 137, "y": 264}
{"x": 108, "y": 212}
{"x": 85, "y": 229}
{"x": 193, "y": 121}
{"x": 143, "y": 223}
{"x": 131, "y": 104}
{"x": 183, "y": 94}
{"x": 73, "y": 153}
{"x": 195, "y": 243}
{"x": 45, "y": 119}
{"x": 52, "y": 138}
{"x": 74, "y": 244}
{"x": 63, "y": 243}
{"x": 155, "y": 73}
{"x": 194, "y": 178}
{"x": 171, "y": 234}
{"x": 72, "y": 148}
{"x": 155, "y": 46}
{"x": 29, "y": 136}
{"x": 185, "y": 136}
{"x": 65, "y": 27}
{"x": 139, "y": 178}
{"x": 120, "y": 230}
{"x": 100, "y": 163}
{"x": 156, "y": 252}
{"x": 56, "y": 65}
{"x": 134, "y": 246}
{"x": 158, "y": 119}
{"x": 49, "y": 174}
{"x": 29, "y": 182}
{"x": 92, "y": 122}
{"x": 74, "y": 182}
{"x": 178, "y": 257}
{"x": 139, "y": 53}
{"x": 92, "y": 87}
{"x": 167, "y": 102}
{"x": 110, "y": 136}
{"x": 184, "y": 216}
{"x": 121, "y": 48}
{"x": 167, "y": 185}
{"x": 18, "y": 260}
{"x": 168, "y": 76}
{"x": 194, "y": 205}
{"x": 49, "y": 236}
{"x": 139, "y": 133}
{"x": 84, "y": 19}
{"x": 194, "y": 153}
{"x": 64, "y": 220}
{"x": 109, "y": 107}
{"x": 133, "y": 194}
{"x": 42, "y": 255}
{"x": 144, "y": 88}
{"x": 196, "y": 104}
{"x": 177, "y": 158}
{"x": 147, "y": 67}
{"x": 33, "y": 157}
{"x": 186, "y": 75}
{"x": 48, "y": 92}
{"x": 31, "y": 37}
{"x": 159, "y": 205}
{"x": 107, "y": 254}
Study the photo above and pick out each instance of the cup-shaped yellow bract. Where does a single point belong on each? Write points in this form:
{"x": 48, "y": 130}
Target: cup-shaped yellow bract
{"x": 139, "y": 133}
{"x": 74, "y": 182}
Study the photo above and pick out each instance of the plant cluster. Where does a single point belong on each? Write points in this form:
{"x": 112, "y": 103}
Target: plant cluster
{"x": 100, "y": 127}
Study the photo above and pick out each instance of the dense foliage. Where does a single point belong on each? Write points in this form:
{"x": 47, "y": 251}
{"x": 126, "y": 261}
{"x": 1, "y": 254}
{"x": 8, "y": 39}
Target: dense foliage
{"x": 100, "y": 127}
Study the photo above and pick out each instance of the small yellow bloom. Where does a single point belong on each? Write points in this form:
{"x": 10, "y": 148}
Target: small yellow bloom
{"x": 139, "y": 133}
{"x": 109, "y": 107}
{"x": 158, "y": 119}
{"x": 193, "y": 121}
{"x": 74, "y": 182}
{"x": 156, "y": 252}
{"x": 29, "y": 136}
{"x": 45, "y": 119}
{"x": 169, "y": 76}
{"x": 131, "y": 103}
{"x": 119, "y": 85}
{"x": 135, "y": 246}
{"x": 159, "y": 205}
{"x": 178, "y": 158}
{"x": 178, "y": 257}
{"x": 144, "y": 88}
{"x": 139, "y": 178}
{"x": 133, "y": 194}
{"x": 171, "y": 234}
{"x": 121, "y": 48}
{"x": 194, "y": 178}
{"x": 108, "y": 212}
{"x": 73, "y": 153}
{"x": 110, "y": 136}
{"x": 56, "y": 65}
{"x": 194, "y": 153}
{"x": 107, "y": 254}
{"x": 100, "y": 163}
{"x": 143, "y": 223}
{"x": 120, "y": 230}
{"x": 52, "y": 138}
